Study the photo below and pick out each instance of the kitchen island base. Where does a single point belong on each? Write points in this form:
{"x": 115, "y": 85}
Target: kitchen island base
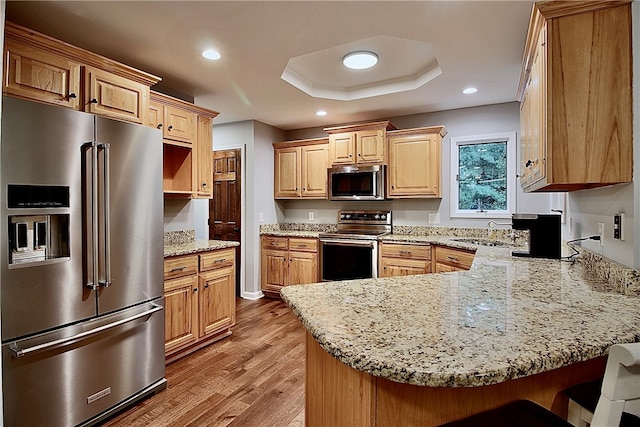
{"x": 337, "y": 394}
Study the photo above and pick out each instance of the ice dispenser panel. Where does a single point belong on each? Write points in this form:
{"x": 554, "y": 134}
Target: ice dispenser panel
{"x": 35, "y": 237}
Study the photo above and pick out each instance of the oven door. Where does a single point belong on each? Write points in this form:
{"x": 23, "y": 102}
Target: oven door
{"x": 344, "y": 259}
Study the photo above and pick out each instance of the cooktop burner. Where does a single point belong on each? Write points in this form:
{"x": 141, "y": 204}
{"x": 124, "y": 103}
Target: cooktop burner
{"x": 361, "y": 225}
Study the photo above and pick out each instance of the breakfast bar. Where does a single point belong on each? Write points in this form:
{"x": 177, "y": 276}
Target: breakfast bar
{"x": 428, "y": 349}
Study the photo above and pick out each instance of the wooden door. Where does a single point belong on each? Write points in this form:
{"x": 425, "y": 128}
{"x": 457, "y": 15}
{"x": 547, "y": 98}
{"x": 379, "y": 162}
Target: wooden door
{"x": 224, "y": 206}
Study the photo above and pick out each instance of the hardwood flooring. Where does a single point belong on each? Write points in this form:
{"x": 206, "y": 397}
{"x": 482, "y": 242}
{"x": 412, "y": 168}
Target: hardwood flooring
{"x": 255, "y": 377}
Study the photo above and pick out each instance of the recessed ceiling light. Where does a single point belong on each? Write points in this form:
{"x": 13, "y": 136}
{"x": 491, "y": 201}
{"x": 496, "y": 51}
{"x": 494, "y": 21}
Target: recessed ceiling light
{"x": 469, "y": 90}
{"x": 211, "y": 54}
{"x": 321, "y": 113}
{"x": 360, "y": 60}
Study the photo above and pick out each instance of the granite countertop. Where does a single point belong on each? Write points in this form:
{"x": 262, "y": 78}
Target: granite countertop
{"x": 506, "y": 318}
{"x": 196, "y": 246}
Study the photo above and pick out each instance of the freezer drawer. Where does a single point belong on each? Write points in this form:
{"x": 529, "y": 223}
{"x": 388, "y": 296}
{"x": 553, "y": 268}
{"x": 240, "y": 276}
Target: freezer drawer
{"x": 69, "y": 376}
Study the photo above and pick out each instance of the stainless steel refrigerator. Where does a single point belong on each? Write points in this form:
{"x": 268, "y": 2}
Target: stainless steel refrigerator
{"x": 81, "y": 265}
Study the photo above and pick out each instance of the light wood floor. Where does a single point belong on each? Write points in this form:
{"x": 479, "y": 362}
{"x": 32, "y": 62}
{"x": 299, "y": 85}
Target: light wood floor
{"x": 255, "y": 377}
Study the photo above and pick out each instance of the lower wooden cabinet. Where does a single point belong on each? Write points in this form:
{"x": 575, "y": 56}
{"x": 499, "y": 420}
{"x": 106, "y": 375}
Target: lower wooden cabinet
{"x": 200, "y": 301}
{"x": 403, "y": 259}
{"x": 448, "y": 259}
{"x": 287, "y": 261}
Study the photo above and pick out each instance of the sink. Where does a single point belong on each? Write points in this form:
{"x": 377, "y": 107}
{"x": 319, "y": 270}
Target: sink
{"x": 481, "y": 242}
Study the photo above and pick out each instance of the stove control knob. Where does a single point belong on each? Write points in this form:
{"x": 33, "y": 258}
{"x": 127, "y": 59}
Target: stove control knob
{"x": 347, "y": 216}
{"x": 342, "y": 216}
{"x": 377, "y": 216}
{"x": 383, "y": 216}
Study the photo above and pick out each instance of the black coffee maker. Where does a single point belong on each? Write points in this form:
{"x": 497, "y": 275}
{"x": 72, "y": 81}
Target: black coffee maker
{"x": 544, "y": 234}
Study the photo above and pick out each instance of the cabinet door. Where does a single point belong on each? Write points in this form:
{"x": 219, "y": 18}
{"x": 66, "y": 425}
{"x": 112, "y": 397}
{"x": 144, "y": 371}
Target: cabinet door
{"x": 370, "y": 146}
{"x": 217, "y": 300}
{"x": 273, "y": 270}
{"x": 155, "y": 115}
{"x": 533, "y": 125}
{"x": 390, "y": 267}
{"x": 342, "y": 147}
{"x": 287, "y": 173}
{"x": 315, "y": 159}
{"x": 204, "y": 149}
{"x": 445, "y": 268}
{"x": 33, "y": 74}
{"x": 179, "y": 125}
{"x": 113, "y": 96}
{"x": 457, "y": 258}
{"x": 414, "y": 166}
{"x": 303, "y": 268}
{"x": 181, "y": 312}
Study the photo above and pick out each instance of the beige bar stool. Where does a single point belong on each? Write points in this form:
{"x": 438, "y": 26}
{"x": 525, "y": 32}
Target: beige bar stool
{"x": 618, "y": 403}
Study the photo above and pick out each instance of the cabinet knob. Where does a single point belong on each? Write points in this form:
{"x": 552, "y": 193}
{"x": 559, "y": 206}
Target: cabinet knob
{"x": 529, "y": 163}
{"x": 159, "y": 126}
{"x": 195, "y": 289}
{"x": 94, "y": 101}
{"x": 73, "y": 95}
{"x": 170, "y": 127}
{"x": 206, "y": 286}
{"x": 204, "y": 184}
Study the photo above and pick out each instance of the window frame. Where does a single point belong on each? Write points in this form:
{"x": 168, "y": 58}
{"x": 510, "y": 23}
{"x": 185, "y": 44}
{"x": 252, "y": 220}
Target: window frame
{"x": 456, "y": 142}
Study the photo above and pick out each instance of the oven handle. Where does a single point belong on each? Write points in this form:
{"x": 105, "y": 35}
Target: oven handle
{"x": 341, "y": 242}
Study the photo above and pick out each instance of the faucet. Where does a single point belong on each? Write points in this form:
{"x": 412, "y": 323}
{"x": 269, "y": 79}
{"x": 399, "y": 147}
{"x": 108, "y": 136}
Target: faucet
{"x": 492, "y": 224}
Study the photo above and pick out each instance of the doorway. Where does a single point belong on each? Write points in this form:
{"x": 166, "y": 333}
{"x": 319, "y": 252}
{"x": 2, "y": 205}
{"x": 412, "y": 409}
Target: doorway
{"x": 225, "y": 208}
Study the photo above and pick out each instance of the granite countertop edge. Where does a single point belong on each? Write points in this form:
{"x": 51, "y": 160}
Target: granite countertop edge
{"x": 196, "y": 246}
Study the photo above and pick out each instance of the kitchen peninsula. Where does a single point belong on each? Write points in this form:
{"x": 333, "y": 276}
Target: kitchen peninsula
{"x": 427, "y": 349}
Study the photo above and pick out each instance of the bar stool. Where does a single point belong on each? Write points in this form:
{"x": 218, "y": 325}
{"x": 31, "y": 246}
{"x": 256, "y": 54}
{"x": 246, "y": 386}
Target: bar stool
{"x": 618, "y": 401}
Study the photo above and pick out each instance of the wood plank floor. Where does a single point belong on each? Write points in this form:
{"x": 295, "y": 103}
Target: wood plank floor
{"x": 255, "y": 377}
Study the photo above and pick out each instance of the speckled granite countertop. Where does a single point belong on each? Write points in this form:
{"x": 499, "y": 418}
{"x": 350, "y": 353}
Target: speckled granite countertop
{"x": 184, "y": 243}
{"x": 506, "y": 318}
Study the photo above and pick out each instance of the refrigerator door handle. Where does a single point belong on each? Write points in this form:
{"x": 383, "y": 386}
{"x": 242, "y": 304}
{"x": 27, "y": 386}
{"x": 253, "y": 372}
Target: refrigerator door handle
{"x": 93, "y": 229}
{"x": 16, "y": 351}
{"x": 106, "y": 211}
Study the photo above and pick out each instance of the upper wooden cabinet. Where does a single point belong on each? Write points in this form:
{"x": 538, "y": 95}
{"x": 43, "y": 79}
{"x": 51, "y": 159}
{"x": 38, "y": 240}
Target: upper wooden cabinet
{"x": 40, "y": 68}
{"x": 576, "y": 98}
{"x": 361, "y": 144}
{"x": 187, "y": 131}
{"x": 415, "y": 162}
{"x": 300, "y": 169}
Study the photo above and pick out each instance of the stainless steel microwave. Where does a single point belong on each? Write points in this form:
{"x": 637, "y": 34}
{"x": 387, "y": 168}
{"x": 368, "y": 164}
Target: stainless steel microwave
{"x": 357, "y": 183}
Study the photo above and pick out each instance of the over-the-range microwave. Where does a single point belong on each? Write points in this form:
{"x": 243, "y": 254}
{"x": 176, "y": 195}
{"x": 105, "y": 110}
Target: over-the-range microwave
{"x": 357, "y": 182}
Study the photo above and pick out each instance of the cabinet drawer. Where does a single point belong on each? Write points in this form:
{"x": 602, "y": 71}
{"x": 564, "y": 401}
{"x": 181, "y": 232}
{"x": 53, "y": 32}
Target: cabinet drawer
{"x": 454, "y": 257}
{"x": 270, "y": 242}
{"x": 300, "y": 244}
{"x": 216, "y": 259}
{"x": 398, "y": 250}
{"x": 180, "y": 266}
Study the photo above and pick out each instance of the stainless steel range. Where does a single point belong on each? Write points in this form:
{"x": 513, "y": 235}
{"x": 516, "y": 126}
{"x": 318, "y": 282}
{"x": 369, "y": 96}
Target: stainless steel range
{"x": 352, "y": 252}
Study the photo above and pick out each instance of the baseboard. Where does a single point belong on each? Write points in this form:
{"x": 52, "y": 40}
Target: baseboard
{"x": 252, "y": 295}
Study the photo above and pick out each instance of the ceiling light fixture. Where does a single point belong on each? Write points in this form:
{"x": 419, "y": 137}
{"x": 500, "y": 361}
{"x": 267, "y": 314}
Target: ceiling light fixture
{"x": 211, "y": 54}
{"x": 360, "y": 60}
{"x": 321, "y": 113}
{"x": 469, "y": 90}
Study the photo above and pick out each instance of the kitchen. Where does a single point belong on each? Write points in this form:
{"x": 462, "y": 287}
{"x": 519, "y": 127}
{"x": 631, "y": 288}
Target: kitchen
{"x": 587, "y": 208}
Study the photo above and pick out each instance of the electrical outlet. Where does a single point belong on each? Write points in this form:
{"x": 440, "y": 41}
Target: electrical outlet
{"x": 312, "y": 216}
{"x": 261, "y": 217}
{"x": 434, "y": 218}
{"x": 601, "y": 232}
{"x": 618, "y": 226}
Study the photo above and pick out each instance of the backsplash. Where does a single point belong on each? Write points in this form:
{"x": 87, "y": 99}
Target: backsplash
{"x": 625, "y": 280}
{"x": 179, "y": 237}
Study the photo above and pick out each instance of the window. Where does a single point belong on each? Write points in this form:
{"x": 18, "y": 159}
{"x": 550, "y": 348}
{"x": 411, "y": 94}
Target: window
{"x": 483, "y": 175}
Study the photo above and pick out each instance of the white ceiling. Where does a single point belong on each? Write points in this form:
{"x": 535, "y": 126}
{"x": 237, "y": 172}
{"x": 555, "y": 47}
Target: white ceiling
{"x": 477, "y": 43}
